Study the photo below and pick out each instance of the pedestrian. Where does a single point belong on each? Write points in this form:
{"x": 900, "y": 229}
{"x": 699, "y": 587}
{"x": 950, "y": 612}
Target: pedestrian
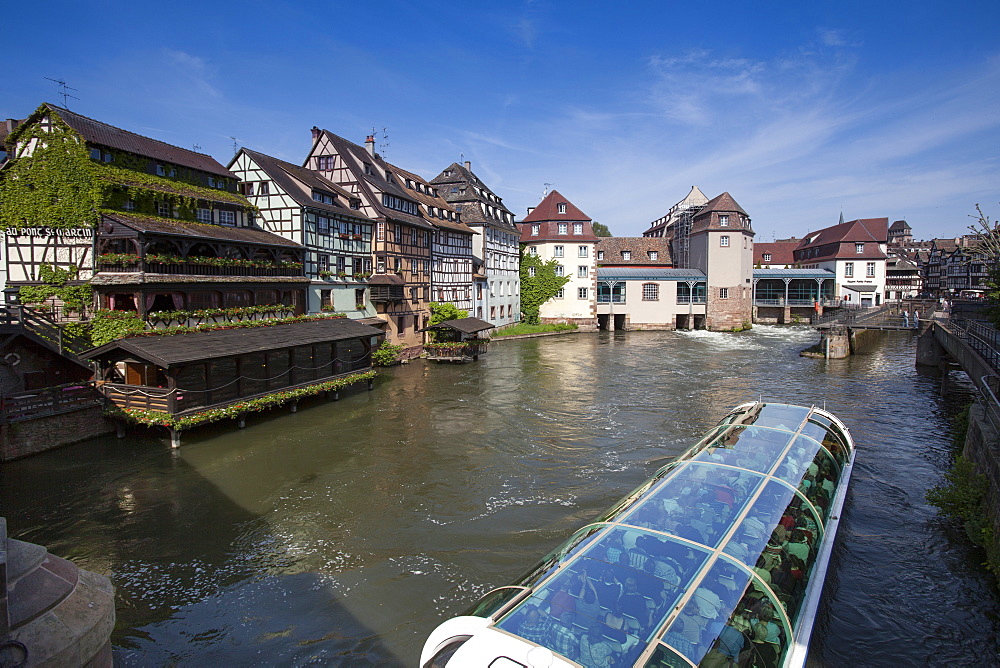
{"x": 916, "y": 318}
{"x": 906, "y": 318}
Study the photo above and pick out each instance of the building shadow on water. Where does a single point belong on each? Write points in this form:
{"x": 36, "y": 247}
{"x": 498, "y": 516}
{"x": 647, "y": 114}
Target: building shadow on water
{"x": 201, "y": 579}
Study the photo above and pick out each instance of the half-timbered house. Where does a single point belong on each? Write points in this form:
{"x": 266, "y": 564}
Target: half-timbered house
{"x": 150, "y": 226}
{"x": 401, "y": 283}
{"x": 451, "y": 243}
{"x": 305, "y": 207}
{"x": 495, "y": 245}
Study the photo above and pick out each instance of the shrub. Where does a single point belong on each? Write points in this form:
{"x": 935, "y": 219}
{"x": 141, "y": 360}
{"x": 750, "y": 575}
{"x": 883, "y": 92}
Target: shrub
{"x": 386, "y": 354}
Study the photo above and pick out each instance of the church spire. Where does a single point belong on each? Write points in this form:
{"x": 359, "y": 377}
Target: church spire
{"x": 841, "y": 218}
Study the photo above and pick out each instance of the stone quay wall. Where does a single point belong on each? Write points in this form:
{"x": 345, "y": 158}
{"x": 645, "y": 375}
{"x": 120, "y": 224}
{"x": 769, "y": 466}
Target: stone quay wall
{"x": 29, "y": 437}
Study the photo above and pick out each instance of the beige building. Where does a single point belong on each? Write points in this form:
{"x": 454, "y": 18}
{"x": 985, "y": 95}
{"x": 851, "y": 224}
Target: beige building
{"x": 558, "y": 230}
{"x": 722, "y": 247}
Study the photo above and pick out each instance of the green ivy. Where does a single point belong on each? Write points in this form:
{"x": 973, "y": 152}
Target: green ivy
{"x": 54, "y": 285}
{"x": 538, "y": 289}
{"x": 161, "y": 419}
{"x": 108, "y": 326}
{"x": 53, "y": 187}
{"x": 386, "y": 354}
{"x": 60, "y": 186}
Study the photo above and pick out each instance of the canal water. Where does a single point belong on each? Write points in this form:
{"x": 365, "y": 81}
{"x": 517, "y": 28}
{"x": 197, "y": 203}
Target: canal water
{"x": 342, "y": 534}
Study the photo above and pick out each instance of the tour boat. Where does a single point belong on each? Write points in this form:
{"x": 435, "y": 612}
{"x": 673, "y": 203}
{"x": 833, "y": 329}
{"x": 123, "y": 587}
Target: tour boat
{"x": 718, "y": 559}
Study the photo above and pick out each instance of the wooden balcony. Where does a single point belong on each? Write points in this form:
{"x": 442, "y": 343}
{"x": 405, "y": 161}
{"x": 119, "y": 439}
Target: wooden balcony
{"x": 196, "y": 269}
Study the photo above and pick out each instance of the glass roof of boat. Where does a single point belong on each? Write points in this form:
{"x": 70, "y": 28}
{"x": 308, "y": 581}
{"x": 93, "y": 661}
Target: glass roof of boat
{"x": 708, "y": 539}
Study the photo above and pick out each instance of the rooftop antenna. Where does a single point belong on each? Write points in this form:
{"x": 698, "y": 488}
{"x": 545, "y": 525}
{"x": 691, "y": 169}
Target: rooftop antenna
{"x": 547, "y": 189}
{"x": 62, "y": 91}
{"x": 236, "y": 145}
{"x": 385, "y": 142}
{"x": 196, "y": 147}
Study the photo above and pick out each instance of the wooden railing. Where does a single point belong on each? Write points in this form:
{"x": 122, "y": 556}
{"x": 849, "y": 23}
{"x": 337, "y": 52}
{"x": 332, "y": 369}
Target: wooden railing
{"x": 49, "y": 401}
{"x": 463, "y": 349}
{"x": 138, "y": 396}
{"x": 41, "y": 325}
{"x": 197, "y": 269}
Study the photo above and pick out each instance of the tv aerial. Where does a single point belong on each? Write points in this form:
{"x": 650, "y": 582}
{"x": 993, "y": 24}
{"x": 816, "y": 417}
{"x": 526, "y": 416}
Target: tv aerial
{"x": 63, "y": 90}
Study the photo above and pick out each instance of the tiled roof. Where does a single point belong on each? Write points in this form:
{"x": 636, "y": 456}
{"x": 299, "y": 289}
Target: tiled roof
{"x": 863, "y": 229}
{"x": 548, "y": 209}
{"x": 638, "y": 247}
{"x": 462, "y": 189}
{"x": 781, "y": 252}
{"x": 96, "y": 132}
{"x": 428, "y": 199}
{"x": 356, "y": 157}
{"x": 722, "y": 203}
{"x": 299, "y": 182}
{"x": 184, "y": 228}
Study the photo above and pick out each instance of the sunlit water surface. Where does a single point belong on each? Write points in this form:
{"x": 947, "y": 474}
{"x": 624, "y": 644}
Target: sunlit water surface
{"x": 344, "y": 533}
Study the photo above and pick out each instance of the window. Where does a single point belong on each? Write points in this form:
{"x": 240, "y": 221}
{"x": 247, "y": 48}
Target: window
{"x": 582, "y": 251}
{"x": 723, "y": 241}
{"x": 581, "y": 293}
{"x": 532, "y": 250}
{"x": 626, "y": 255}
{"x": 582, "y": 271}
{"x": 650, "y": 292}
{"x": 247, "y": 189}
{"x": 211, "y": 182}
{"x": 227, "y": 217}
{"x": 723, "y": 221}
{"x": 563, "y": 228}
{"x": 531, "y": 271}
{"x": 534, "y": 230}
{"x": 767, "y": 257}
{"x": 561, "y": 207}
{"x": 561, "y": 293}
{"x": 324, "y": 262}
{"x": 870, "y": 270}
{"x": 577, "y": 228}
{"x": 380, "y": 231}
{"x": 324, "y": 225}
{"x": 324, "y": 162}
{"x": 263, "y": 188}
{"x": 557, "y": 251}
{"x": 859, "y": 248}
{"x": 654, "y": 255}
{"x": 397, "y": 234}
{"x": 493, "y": 312}
{"x": 164, "y": 209}
{"x": 129, "y": 205}
{"x": 600, "y": 255}
{"x": 848, "y": 269}
{"x": 160, "y": 171}
{"x": 203, "y": 215}
{"x": 560, "y": 270}
{"x": 723, "y": 293}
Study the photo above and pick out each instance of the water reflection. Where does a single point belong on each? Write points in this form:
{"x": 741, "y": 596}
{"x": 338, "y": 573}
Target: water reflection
{"x": 356, "y": 526}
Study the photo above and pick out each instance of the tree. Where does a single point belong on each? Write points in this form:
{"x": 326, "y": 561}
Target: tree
{"x": 601, "y": 230}
{"x": 539, "y": 284}
{"x": 987, "y": 249}
{"x": 442, "y": 311}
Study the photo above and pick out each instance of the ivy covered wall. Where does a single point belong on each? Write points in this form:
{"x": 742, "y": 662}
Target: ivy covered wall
{"x": 539, "y": 288}
{"x": 59, "y": 185}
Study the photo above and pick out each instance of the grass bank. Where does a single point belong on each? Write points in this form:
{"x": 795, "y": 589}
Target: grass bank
{"x": 523, "y": 328}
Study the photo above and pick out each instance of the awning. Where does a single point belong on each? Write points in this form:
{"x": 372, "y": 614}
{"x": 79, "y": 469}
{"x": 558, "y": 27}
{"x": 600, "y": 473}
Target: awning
{"x": 373, "y": 322}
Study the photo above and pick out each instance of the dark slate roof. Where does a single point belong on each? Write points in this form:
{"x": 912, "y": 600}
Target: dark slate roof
{"x": 649, "y": 274}
{"x": 899, "y": 225}
{"x": 186, "y": 228}
{"x": 96, "y": 132}
{"x": 464, "y": 325}
{"x": 355, "y": 156}
{"x": 639, "y": 247}
{"x": 299, "y": 182}
{"x": 548, "y": 209}
{"x": 170, "y": 351}
{"x": 462, "y": 189}
{"x": 429, "y": 200}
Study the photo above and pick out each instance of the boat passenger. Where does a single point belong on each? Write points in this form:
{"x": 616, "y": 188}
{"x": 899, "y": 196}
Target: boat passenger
{"x": 766, "y": 639}
{"x": 596, "y": 651}
{"x": 535, "y": 626}
{"x": 563, "y": 639}
{"x": 609, "y": 589}
{"x": 562, "y": 601}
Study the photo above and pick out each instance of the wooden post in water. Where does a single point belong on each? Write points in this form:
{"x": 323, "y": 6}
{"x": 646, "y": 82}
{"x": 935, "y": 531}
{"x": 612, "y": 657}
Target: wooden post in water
{"x": 175, "y": 438}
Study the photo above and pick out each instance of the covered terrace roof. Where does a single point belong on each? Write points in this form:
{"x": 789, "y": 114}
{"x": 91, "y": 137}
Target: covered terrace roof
{"x": 171, "y": 351}
{"x": 649, "y": 274}
{"x": 793, "y": 273}
{"x": 464, "y": 325}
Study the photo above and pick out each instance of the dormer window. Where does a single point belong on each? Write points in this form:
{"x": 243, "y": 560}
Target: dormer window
{"x": 211, "y": 182}
{"x": 723, "y": 221}
{"x": 561, "y": 207}
{"x": 368, "y": 169}
{"x": 859, "y": 248}
{"x": 600, "y": 255}
{"x": 534, "y": 230}
{"x": 577, "y": 228}
{"x": 563, "y": 228}
{"x": 654, "y": 255}
{"x": 767, "y": 257}
{"x": 626, "y": 255}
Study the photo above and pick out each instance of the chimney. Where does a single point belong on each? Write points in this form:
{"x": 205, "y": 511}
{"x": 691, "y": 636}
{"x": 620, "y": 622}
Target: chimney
{"x": 316, "y": 132}
{"x": 468, "y": 165}
{"x": 370, "y": 144}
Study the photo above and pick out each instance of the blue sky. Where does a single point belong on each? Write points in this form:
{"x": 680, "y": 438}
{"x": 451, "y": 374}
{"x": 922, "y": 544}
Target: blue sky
{"x": 800, "y": 110}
